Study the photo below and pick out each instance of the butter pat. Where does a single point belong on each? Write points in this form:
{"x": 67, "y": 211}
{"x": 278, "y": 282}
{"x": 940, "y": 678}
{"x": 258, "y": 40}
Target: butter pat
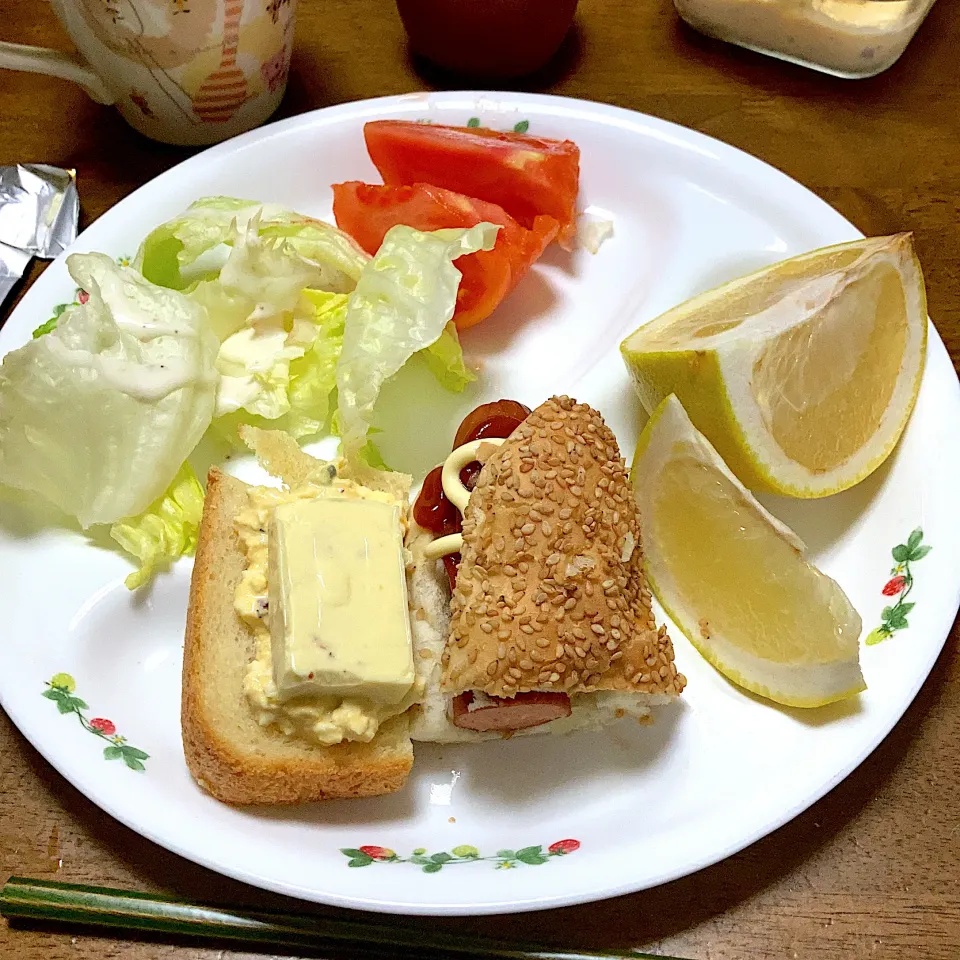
{"x": 339, "y": 625}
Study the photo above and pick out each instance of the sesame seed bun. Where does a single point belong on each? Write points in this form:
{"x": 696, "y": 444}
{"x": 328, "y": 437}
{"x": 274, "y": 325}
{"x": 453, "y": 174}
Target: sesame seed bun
{"x": 550, "y": 592}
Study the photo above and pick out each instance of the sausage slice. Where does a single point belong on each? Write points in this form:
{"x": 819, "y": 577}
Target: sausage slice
{"x": 474, "y": 710}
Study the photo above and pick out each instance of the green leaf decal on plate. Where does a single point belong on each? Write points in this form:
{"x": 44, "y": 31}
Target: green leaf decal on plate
{"x": 463, "y": 853}
{"x": 893, "y": 617}
{"x": 60, "y": 690}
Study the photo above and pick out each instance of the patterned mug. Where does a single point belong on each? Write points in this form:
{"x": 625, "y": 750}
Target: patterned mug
{"x": 182, "y": 71}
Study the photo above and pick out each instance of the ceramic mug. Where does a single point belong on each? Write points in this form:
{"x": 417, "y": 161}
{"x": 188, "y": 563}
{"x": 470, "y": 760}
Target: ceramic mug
{"x": 182, "y": 71}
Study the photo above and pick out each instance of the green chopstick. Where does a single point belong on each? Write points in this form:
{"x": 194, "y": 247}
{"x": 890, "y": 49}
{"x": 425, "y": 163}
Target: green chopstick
{"x": 51, "y": 902}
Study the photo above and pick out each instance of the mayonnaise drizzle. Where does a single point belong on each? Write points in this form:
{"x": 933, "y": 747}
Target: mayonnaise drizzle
{"x": 456, "y": 492}
{"x": 147, "y": 382}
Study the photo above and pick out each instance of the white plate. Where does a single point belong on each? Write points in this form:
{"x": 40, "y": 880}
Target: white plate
{"x": 644, "y": 805}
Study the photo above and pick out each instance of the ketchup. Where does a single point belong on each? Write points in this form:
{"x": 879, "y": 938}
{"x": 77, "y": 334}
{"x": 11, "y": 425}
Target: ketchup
{"x": 432, "y": 510}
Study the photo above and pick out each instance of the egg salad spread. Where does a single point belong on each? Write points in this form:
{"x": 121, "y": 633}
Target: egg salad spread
{"x": 324, "y": 594}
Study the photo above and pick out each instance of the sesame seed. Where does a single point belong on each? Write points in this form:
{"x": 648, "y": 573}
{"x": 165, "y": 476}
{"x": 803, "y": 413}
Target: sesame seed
{"x": 526, "y": 628}
{"x": 486, "y": 626}
{"x": 597, "y": 629}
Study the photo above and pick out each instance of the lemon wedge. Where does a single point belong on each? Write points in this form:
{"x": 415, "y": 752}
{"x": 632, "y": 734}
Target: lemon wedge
{"x": 733, "y": 578}
{"x": 803, "y": 374}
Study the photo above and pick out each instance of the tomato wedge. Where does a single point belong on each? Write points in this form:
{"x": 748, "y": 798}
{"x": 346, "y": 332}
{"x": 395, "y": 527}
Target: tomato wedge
{"x": 527, "y": 176}
{"x": 367, "y": 211}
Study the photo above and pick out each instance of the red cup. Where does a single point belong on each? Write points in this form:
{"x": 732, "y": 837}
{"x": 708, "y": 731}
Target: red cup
{"x": 493, "y": 38}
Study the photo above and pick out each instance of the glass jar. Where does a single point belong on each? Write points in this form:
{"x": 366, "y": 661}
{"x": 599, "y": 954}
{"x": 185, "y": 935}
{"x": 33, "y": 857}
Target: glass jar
{"x": 848, "y": 38}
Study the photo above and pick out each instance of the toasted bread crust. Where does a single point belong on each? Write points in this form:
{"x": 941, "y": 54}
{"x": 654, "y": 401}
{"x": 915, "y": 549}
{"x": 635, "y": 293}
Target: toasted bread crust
{"x": 227, "y": 751}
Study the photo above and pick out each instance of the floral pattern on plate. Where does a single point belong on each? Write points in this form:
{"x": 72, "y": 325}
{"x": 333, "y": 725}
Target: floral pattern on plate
{"x": 435, "y": 862}
{"x": 894, "y": 617}
{"x": 60, "y": 689}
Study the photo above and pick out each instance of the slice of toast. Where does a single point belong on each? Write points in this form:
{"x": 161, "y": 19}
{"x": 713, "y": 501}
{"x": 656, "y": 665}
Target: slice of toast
{"x": 227, "y": 751}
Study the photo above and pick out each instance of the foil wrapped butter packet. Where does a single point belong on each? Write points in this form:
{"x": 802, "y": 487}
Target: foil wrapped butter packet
{"x": 39, "y": 211}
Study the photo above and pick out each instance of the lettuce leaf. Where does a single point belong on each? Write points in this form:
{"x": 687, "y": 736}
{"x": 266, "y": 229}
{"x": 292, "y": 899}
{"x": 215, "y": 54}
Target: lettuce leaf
{"x": 180, "y": 242}
{"x": 166, "y": 530}
{"x": 322, "y": 243}
{"x": 313, "y": 377}
{"x": 98, "y": 414}
{"x": 444, "y": 357}
{"x": 402, "y": 303}
{"x": 289, "y": 379}
{"x": 254, "y": 370}
{"x": 187, "y": 248}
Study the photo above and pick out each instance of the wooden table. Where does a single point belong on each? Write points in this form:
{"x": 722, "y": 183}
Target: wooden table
{"x": 871, "y": 871}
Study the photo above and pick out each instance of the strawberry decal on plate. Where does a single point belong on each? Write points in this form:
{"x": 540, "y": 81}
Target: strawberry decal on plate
{"x": 464, "y": 853}
{"x": 894, "y": 617}
{"x": 60, "y": 689}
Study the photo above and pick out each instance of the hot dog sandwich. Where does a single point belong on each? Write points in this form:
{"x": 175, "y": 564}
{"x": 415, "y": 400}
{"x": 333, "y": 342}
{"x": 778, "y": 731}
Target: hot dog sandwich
{"x": 551, "y": 623}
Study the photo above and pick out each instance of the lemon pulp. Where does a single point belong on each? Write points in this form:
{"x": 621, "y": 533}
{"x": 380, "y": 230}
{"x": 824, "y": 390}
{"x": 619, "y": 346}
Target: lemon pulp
{"x": 733, "y": 578}
{"x": 744, "y": 579}
{"x": 803, "y": 374}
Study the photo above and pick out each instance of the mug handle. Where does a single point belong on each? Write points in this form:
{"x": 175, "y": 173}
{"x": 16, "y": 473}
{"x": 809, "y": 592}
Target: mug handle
{"x": 68, "y": 66}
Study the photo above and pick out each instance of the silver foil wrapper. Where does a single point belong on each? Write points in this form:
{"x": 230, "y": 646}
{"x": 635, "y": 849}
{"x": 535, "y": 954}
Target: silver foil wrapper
{"x": 39, "y": 211}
